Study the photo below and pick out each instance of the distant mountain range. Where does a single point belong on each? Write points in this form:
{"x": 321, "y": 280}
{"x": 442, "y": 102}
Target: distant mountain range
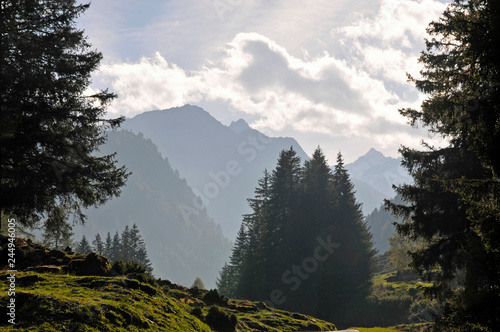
{"x": 373, "y": 175}
{"x": 216, "y": 171}
{"x": 221, "y": 163}
{"x": 182, "y": 243}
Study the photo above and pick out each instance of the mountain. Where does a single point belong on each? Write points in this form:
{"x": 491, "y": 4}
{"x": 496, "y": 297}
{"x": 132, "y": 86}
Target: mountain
{"x": 182, "y": 243}
{"x": 373, "y": 175}
{"x": 381, "y": 224}
{"x": 221, "y": 163}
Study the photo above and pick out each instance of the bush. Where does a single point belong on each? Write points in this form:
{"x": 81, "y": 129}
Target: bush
{"x": 213, "y": 296}
{"x": 197, "y": 312}
{"x": 220, "y": 321}
{"x": 118, "y": 267}
{"x": 134, "y": 267}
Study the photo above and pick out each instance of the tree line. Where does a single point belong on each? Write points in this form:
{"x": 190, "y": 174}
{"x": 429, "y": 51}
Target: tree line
{"x": 305, "y": 247}
{"x": 128, "y": 247}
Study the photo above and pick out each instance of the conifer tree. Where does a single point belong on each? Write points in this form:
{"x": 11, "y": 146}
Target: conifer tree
{"x": 283, "y": 202}
{"x": 49, "y": 128}
{"x": 108, "y": 245}
{"x": 198, "y": 284}
{"x": 138, "y": 249}
{"x": 116, "y": 248}
{"x": 125, "y": 252}
{"x": 57, "y": 232}
{"x": 227, "y": 283}
{"x": 454, "y": 204}
{"x": 251, "y": 281}
{"x": 98, "y": 245}
{"x": 84, "y": 247}
{"x": 348, "y": 277}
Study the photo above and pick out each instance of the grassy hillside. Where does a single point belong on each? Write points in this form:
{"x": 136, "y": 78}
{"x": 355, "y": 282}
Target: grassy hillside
{"x": 55, "y": 293}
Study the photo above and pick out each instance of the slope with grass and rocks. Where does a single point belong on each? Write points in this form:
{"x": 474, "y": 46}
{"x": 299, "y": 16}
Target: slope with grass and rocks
{"x": 64, "y": 291}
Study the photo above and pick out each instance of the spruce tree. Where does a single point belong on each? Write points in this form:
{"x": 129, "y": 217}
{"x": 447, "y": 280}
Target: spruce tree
{"x": 139, "y": 253}
{"x": 227, "y": 282}
{"x": 347, "y": 277}
{"x": 283, "y": 202}
{"x": 84, "y": 247}
{"x": 457, "y": 209}
{"x": 116, "y": 248}
{"x": 125, "y": 253}
{"x": 57, "y": 232}
{"x": 98, "y": 245}
{"x": 251, "y": 281}
{"x": 50, "y": 128}
{"x": 108, "y": 245}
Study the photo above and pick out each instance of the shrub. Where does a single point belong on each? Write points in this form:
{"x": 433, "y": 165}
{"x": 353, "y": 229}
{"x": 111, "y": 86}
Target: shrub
{"x": 220, "y": 321}
{"x": 197, "y": 312}
{"x": 213, "y": 296}
{"x": 118, "y": 267}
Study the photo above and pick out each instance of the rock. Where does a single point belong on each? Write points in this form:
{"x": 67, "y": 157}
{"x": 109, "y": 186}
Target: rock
{"x": 92, "y": 265}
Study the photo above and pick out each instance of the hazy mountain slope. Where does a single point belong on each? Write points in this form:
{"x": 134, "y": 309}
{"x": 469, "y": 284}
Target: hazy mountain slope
{"x": 373, "y": 175}
{"x": 181, "y": 244}
{"x": 222, "y": 164}
{"x": 381, "y": 225}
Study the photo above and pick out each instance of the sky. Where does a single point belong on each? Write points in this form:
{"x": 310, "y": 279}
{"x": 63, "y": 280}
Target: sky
{"x": 330, "y": 73}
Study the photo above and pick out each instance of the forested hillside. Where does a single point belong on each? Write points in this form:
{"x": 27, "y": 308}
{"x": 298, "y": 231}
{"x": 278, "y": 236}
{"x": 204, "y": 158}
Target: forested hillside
{"x": 182, "y": 243}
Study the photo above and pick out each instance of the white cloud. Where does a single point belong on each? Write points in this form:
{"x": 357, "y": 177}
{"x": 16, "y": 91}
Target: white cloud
{"x": 303, "y": 69}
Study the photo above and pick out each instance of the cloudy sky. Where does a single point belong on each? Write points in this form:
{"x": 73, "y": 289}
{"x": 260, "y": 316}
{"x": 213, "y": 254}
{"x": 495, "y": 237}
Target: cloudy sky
{"x": 326, "y": 72}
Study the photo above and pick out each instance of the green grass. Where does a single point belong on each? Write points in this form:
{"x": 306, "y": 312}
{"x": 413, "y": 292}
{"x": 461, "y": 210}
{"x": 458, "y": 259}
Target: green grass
{"x": 60, "y": 302}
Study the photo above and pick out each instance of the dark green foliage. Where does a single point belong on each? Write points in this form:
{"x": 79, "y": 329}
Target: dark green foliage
{"x": 213, "y": 297}
{"x": 305, "y": 247}
{"x": 118, "y": 267}
{"x": 220, "y": 321}
{"x": 83, "y": 246}
{"x": 129, "y": 249}
{"x": 91, "y": 264}
{"x": 454, "y": 205}
{"x": 197, "y": 312}
{"x": 381, "y": 223}
{"x": 98, "y": 245}
{"x": 49, "y": 128}
{"x": 57, "y": 232}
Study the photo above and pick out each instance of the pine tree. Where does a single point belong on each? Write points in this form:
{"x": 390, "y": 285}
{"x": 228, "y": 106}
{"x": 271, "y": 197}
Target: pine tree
{"x": 250, "y": 280}
{"x": 49, "y": 129}
{"x": 125, "y": 253}
{"x": 198, "y": 284}
{"x": 57, "y": 231}
{"x": 84, "y": 246}
{"x": 141, "y": 255}
{"x": 457, "y": 209}
{"x": 116, "y": 248}
{"x": 283, "y": 202}
{"x": 347, "y": 277}
{"x": 108, "y": 247}
{"x": 98, "y": 245}
{"x": 227, "y": 283}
